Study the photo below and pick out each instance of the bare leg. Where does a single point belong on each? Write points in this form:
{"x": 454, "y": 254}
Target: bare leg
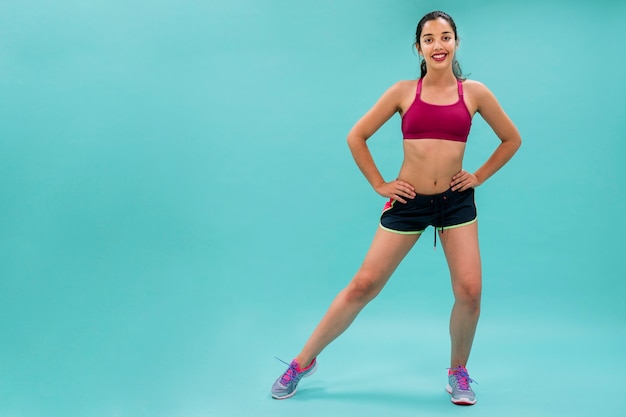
{"x": 385, "y": 254}
{"x": 463, "y": 256}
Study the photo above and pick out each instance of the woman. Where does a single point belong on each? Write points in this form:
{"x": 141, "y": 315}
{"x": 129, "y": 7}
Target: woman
{"x": 431, "y": 189}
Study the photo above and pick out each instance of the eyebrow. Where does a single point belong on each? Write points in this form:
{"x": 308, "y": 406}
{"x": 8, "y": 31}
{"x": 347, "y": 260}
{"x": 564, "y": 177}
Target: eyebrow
{"x": 443, "y": 33}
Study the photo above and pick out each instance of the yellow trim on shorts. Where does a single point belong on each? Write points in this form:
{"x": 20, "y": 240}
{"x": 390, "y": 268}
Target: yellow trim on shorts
{"x": 399, "y": 232}
{"x": 419, "y": 232}
{"x": 458, "y": 225}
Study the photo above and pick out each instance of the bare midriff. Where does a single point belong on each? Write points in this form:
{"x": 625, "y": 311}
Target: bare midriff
{"x": 429, "y": 164}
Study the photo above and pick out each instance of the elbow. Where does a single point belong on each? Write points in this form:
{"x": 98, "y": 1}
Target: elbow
{"x": 514, "y": 142}
{"x": 354, "y": 140}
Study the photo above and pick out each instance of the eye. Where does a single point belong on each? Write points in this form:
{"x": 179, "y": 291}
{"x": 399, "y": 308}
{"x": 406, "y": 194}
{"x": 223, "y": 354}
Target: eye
{"x": 428, "y": 40}
{"x": 446, "y": 38}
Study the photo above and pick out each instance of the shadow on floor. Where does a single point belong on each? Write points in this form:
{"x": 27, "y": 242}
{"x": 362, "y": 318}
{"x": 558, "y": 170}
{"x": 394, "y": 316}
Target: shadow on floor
{"x": 402, "y": 399}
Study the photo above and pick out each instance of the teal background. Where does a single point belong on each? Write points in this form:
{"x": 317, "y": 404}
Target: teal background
{"x": 178, "y": 206}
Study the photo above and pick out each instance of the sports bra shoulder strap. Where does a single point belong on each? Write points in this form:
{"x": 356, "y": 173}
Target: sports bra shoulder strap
{"x": 419, "y": 86}
{"x": 460, "y": 84}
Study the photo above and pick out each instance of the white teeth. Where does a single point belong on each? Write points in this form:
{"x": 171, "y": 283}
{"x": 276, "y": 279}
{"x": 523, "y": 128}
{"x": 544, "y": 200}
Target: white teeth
{"x": 438, "y": 56}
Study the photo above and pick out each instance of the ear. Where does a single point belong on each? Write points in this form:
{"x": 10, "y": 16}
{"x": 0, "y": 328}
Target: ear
{"x": 419, "y": 51}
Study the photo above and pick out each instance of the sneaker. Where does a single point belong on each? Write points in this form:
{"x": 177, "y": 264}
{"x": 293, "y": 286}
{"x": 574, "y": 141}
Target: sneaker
{"x": 286, "y": 385}
{"x": 459, "y": 386}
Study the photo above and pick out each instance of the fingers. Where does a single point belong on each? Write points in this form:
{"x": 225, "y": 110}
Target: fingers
{"x": 406, "y": 189}
{"x": 397, "y": 190}
{"x": 458, "y": 175}
{"x": 462, "y": 181}
{"x": 402, "y": 190}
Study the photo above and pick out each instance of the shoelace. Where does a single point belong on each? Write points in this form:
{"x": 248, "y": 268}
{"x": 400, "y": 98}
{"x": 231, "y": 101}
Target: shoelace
{"x": 462, "y": 377}
{"x": 290, "y": 373}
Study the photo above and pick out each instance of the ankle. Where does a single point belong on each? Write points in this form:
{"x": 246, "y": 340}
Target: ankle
{"x": 303, "y": 362}
{"x": 455, "y": 369}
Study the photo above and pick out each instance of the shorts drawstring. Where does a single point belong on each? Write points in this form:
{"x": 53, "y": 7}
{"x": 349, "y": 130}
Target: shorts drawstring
{"x": 440, "y": 210}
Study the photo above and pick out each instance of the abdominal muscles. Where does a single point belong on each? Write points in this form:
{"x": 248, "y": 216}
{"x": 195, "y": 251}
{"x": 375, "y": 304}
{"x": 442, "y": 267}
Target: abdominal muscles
{"x": 429, "y": 164}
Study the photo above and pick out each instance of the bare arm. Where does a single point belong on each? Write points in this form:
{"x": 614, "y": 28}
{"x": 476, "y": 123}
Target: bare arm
{"x": 381, "y": 112}
{"x": 503, "y": 127}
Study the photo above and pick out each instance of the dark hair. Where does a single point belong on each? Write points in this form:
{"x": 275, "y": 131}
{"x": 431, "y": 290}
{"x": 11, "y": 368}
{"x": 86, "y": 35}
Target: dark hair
{"x": 456, "y": 68}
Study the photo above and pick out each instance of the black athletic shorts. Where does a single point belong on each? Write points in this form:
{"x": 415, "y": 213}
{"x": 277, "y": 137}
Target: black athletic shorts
{"x": 447, "y": 210}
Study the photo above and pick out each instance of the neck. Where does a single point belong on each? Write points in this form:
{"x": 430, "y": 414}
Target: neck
{"x": 434, "y": 77}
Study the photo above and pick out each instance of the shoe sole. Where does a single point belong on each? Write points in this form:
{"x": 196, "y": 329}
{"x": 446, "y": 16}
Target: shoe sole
{"x": 284, "y": 397}
{"x": 461, "y": 401}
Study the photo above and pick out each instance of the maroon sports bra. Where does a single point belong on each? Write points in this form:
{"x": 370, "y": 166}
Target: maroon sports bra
{"x": 433, "y": 121}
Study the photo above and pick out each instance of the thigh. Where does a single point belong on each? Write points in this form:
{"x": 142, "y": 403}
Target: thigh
{"x": 385, "y": 254}
{"x": 462, "y": 252}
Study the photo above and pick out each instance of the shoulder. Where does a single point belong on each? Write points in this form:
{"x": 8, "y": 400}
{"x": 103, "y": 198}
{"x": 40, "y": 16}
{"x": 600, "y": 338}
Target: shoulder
{"x": 479, "y": 95}
{"x": 393, "y": 100}
{"x": 401, "y": 91}
{"x": 475, "y": 88}
{"x": 398, "y": 93}
{"x": 402, "y": 87}
{"x": 405, "y": 84}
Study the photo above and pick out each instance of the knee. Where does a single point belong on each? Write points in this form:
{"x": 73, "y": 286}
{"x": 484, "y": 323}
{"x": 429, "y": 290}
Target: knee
{"x": 362, "y": 288}
{"x": 469, "y": 295}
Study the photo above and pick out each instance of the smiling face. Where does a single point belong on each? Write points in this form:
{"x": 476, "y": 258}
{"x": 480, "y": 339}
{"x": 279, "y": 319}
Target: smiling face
{"x": 437, "y": 43}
